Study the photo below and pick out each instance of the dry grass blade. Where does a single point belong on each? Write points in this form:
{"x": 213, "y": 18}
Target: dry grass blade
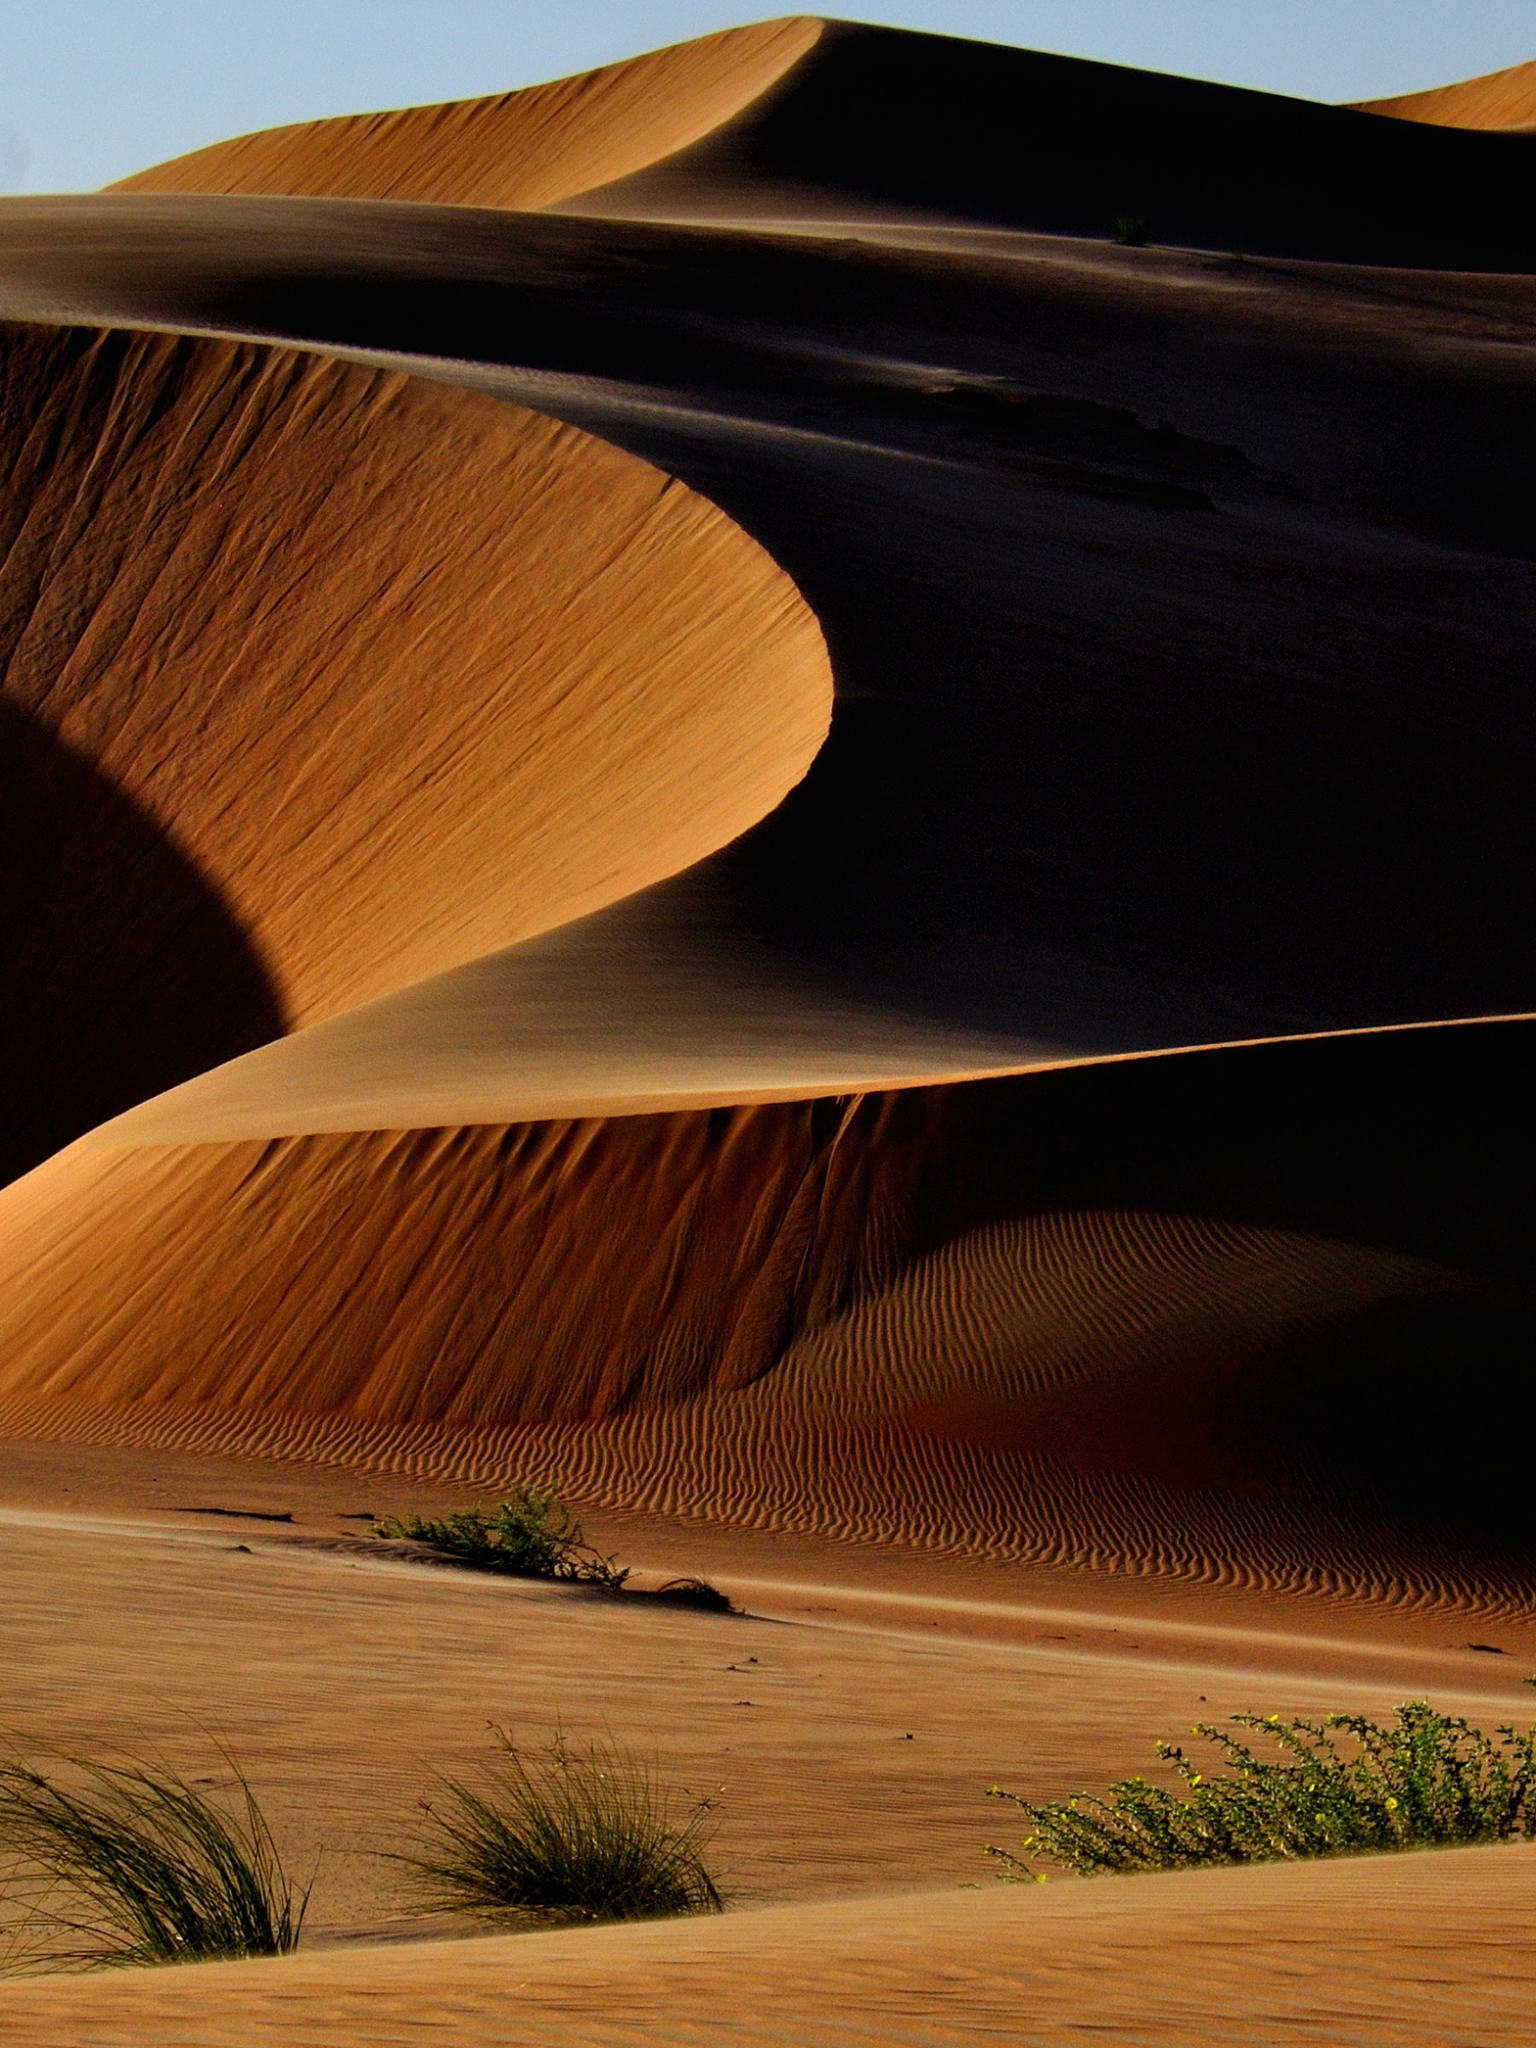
{"x": 1427, "y": 1780}
{"x": 566, "y": 1837}
{"x": 114, "y": 1865}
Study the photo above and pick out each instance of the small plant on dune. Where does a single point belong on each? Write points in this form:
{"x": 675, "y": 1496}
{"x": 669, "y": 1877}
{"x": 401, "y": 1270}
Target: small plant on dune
{"x": 1428, "y": 1780}
{"x": 531, "y": 1535}
{"x": 113, "y": 1865}
{"x": 565, "y": 1837}
{"x": 1131, "y": 231}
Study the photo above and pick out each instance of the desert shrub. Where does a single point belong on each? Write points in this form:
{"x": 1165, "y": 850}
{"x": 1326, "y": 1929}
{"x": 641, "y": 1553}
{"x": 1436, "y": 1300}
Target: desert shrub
{"x": 110, "y": 1865}
{"x": 1131, "y": 231}
{"x": 565, "y": 1836}
{"x": 692, "y": 1592}
{"x": 1426, "y": 1780}
{"x": 531, "y": 1535}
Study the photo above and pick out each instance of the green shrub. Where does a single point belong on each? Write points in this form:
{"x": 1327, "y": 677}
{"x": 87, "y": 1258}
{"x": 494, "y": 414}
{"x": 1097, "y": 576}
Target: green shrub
{"x": 1425, "y": 1781}
{"x": 565, "y": 1838}
{"x": 532, "y": 1535}
{"x": 125, "y": 1864}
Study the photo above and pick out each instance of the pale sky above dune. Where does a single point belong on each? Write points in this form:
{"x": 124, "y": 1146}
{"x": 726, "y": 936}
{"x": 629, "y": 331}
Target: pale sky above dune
{"x": 93, "y": 89}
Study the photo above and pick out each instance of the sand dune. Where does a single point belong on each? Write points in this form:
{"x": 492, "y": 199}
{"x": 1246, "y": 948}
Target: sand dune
{"x": 519, "y": 149}
{"x": 805, "y": 119}
{"x": 360, "y": 654}
{"x": 1500, "y": 99}
{"x": 1052, "y": 1317}
{"x": 1309, "y": 604}
{"x": 701, "y": 800}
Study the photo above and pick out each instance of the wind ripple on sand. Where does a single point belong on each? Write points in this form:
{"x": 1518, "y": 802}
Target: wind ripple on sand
{"x": 402, "y": 672}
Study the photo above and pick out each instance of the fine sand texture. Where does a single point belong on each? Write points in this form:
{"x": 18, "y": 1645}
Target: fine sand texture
{"x": 1058, "y": 1317}
{"x": 1499, "y": 99}
{"x": 793, "y": 785}
{"x": 849, "y": 1739}
{"x": 317, "y": 679}
{"x": 519, "y": 149}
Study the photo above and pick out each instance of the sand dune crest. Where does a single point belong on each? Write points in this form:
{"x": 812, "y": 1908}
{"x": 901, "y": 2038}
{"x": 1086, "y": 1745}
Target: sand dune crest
{"x": 403, "y": 673}
{"x": 1499, "y": 99}
{"x": 519, "y": 149}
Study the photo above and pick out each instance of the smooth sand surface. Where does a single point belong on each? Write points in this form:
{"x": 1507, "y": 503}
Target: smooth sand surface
{"x": 1499, "y": 99}
{"x": 519, "y": 149}
{"x": 343, "y": 1683}
{"x": 1344, "y": 1956}
{"x": 1173, "y": 608}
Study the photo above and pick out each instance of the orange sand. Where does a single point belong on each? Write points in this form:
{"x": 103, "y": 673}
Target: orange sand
{"x": 1180, "y": 605}
{"x": 401, "y": 673}
{"x": 1500, "y": 99}
{"x": 519, "y": 149}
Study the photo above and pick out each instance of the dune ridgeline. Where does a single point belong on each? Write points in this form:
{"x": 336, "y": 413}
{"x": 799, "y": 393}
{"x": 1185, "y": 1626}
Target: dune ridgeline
{"x": 795, "y": 780}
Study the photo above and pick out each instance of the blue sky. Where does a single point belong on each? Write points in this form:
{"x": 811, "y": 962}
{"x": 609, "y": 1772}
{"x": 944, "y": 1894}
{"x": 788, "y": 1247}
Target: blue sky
{"x": 93, "y": 89}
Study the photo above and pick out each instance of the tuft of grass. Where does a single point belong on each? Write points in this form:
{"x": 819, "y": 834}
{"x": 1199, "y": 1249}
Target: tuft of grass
{"x": 1131, "y": 231}
{"x": 565, "y": 1837}
{"x": 1426, "y": 1780}
{"x": 117, "y": 1865}
{"x": 531, "y": 1535}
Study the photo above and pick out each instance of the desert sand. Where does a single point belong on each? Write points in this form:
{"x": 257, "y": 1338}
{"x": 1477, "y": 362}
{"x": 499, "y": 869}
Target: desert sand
{"x": 707, "y": 800}
{"x": 1499, "y": 99}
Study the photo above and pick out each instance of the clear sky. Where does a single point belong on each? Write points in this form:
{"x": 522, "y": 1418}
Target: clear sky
{"x": 93, "y": 89}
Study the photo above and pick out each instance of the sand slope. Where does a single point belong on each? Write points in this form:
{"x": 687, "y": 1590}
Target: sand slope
{"x": 1052, "y": 1317}
{"x": 530, "y": 148}
{"x": 1367, "y": 1953}
{"x": 1499, "y": 99}
{"x": 881, "y": 124}
{"x": 360, "y": 654}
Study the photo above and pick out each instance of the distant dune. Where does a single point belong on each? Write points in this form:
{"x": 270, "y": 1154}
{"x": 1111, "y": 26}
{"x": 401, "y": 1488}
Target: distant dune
{"x": 522, "y": 149}
{"x": 794, "y": 784}
{"x": 606, "y": 752}
{"x": 1500, "y": 99}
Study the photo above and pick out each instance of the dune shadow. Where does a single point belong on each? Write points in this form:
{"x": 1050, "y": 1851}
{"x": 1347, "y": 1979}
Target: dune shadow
{"x": 123, "y": 971}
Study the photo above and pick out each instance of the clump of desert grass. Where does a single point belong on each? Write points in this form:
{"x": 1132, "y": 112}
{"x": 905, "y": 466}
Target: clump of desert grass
{"x": 112, "y": 1865}
{"x": 531, "y": 1535}
{"x": 564, "y": 1836}
{"x": 1343, "y": 1786}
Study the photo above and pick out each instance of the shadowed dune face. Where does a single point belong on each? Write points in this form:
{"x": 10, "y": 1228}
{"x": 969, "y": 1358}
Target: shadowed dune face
{"x": 1146, "y": 736}
{"x": 1158, "y": 1314}
{"x": 391, "y": 673}
{"x": 124, "y": 972}
{"x": 519, "y": 149}
{"x": 1499, "y": 99}
{"x": 877, "y": 123}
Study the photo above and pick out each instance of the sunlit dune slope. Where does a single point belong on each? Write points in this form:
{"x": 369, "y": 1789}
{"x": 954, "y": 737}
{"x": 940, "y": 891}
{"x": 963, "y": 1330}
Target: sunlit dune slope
{"x": 317, "y": 679}
{"x": 1174, "y": 604}
{"x": 529, "y": 148}
{"x": 1499, "y": 99}
{"x": 1419, "y": 1952}
{"x": 1186, "y": 1314}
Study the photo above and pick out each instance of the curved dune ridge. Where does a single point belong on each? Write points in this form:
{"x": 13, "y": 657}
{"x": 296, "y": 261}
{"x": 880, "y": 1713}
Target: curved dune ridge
{"x": 517, "y": 149}
{"x": 1051, "y": 1317}
{"x": 396, "y": 672}
{"x": 1173, "y": 622}
{"x": 1499, "y": 99}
